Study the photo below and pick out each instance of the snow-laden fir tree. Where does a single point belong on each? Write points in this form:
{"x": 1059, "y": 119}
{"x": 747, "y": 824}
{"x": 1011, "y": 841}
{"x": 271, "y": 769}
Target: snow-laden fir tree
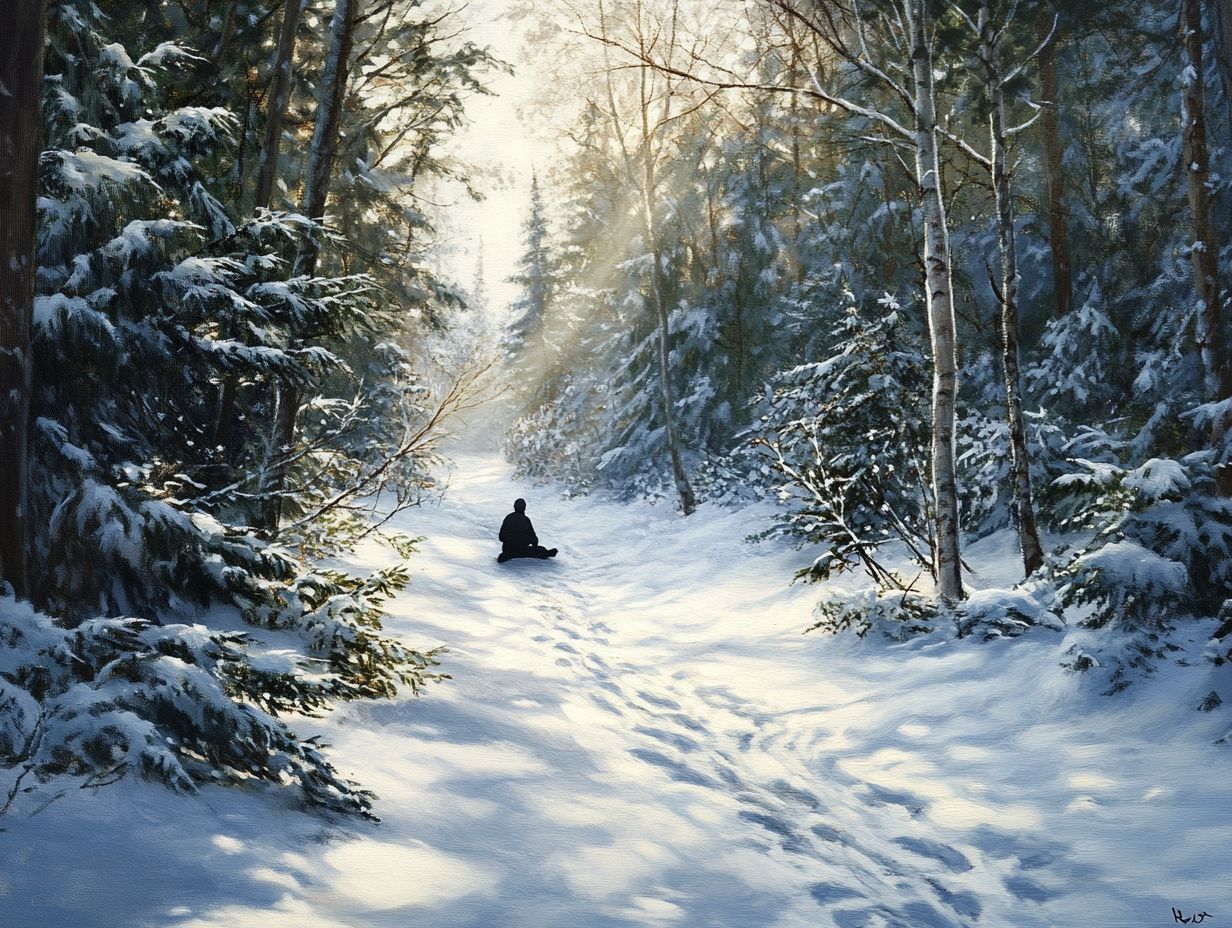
{"x": 529, "y": 347}
{"x": 149, "y": 293}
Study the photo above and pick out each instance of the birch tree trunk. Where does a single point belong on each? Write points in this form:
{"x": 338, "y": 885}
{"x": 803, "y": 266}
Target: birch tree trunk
{"x": 1054, "y": 174}
{"x": 278, "y": 96}
{"x": 1020, "y": 460}
{"x": 21, "y": 78}
{"x": 1217, "y": 376}
{"x": 321, "y": 156}
{"x": 939, "y": 297}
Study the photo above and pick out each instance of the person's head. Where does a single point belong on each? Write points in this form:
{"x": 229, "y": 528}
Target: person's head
{"x": 519, "y": 505}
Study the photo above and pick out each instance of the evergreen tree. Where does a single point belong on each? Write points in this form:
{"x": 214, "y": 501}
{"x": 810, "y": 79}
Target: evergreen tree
{"x": 529, "y": 351}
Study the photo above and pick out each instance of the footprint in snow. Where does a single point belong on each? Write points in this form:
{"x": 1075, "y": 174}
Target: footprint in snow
{"x": 882, "y": 796}
{"x": 1029, "y": 890}
{"x": 785, "y": 790}
{"x": 964, "y": 903}
{"x": 825, "y": 893}
{"x": 789, "y": 839}
{"x": 677, "y": 770}
{"x": 604, "y": 704}
{"x": 681, "y": 742}
{"x": 661, "y": 701}
{"x": 691, "y": 724}
{"x": 935, "y": 850}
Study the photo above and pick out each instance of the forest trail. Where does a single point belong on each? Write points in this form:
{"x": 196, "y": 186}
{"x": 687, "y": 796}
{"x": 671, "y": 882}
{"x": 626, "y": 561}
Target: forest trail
{"x": 614, "y": 752}
{"x": 638, "y": 734}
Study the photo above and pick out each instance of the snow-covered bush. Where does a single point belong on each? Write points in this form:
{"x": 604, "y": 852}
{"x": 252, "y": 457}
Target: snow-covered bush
{"x": 554, "y": 442}
{"x": 902, "y": 614}
{"x": 986, "y": 493}
{"x": 893, "y": 614}
{"x": 170, "y": 702}
{"x": 1162, "y": 545}
{"x": 848, "y": 438}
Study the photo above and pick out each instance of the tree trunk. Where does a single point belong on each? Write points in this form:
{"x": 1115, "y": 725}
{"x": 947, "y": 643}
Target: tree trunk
{"x": 278, "y": 96}
{"x": 321, "y": 156}
{"x": 21, "y": 79}
{"x": 1020, "y": 461}
{"x": 939, "y": 298}
{"x": 1204, "y": 254}
{"x": 658, "y": 299}
{"x": 1054, "y": 174}
{"x": 688, "y": 502}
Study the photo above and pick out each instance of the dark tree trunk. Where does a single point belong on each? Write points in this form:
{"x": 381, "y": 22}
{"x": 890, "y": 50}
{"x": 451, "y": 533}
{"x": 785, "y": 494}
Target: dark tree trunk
{"x": 321, "y": 156}
{"x": 21, "y": 78}
{"x": 1020, "y": 459}
{"x": 1217, "y": 377}
{"x": 658, "y": 298}
{"x": 1054, "y": 174}
{"x": 278, "y": 95}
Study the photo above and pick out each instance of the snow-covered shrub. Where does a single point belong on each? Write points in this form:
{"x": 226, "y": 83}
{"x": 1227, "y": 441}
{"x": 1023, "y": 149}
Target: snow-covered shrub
{"x": 903, "y": 614}
{"x": 894, "y": 614}
{"x": 1162, "y": 545}
{"x": 124, "y": 695}
{"x": 742, "y": 476}
{"x": 985, "y": 491}
{"x": 848, "y": 438}
{"x": 997, "y": 613}
{"x": 554, "y": 442}
{"x": 1075, "y": 356}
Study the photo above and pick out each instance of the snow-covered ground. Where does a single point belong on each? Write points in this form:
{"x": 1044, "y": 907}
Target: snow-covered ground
{"x": 638, "y": 734}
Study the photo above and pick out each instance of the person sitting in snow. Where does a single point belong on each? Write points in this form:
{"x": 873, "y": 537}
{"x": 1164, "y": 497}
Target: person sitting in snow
{"x": 518, "y": 538}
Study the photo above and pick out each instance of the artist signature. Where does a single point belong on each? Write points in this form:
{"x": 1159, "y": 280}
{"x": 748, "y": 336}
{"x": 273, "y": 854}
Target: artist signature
{"x": 1195, "y": 919}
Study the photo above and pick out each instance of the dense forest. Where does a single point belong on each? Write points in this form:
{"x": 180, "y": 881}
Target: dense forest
{"x": 218, "y": 310}
{"x": 917, "y": 272}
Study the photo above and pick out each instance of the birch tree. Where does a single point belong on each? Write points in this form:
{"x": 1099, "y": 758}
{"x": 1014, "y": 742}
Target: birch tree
{"x": 21, "y": 76}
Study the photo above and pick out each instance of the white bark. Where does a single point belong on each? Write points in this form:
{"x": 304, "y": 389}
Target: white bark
{"x": 939, "y": 297}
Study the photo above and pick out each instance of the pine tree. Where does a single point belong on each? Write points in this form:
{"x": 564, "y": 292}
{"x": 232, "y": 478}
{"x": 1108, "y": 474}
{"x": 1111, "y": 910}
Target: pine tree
{"x": 528, "y": 348}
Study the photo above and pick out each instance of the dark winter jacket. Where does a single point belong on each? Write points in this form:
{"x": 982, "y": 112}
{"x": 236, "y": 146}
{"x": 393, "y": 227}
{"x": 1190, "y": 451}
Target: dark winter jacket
{"x": 517, "y": 532}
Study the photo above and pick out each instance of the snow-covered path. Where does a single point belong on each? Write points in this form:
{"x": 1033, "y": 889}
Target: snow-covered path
{"x": 638, "y": 734}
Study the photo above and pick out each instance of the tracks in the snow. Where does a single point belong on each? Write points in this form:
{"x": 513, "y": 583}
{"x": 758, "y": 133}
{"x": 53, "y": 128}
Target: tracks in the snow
{"x": 863, "y": 850}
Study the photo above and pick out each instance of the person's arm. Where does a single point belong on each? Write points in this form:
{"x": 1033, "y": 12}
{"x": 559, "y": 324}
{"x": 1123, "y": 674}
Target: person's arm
{"x": 504, "y": 530}
{"x": 530, "y": 529}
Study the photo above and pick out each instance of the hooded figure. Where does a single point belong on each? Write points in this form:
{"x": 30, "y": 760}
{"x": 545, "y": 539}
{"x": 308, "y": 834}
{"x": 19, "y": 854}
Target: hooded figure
{"x": 518, "y": 538}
